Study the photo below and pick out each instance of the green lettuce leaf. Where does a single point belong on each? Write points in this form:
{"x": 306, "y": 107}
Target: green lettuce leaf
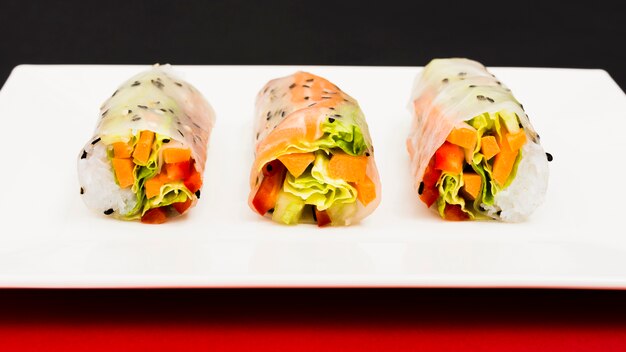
{"x": 344, "y": 130}
{"x": 450, "y": 184}
{"x": 316, "y": 187}
{"x": 170, "y": 193}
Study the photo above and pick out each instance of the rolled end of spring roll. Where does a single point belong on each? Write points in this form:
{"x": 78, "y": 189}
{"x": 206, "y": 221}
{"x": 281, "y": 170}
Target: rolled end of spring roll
{"x": 146, "y": 158}
{"x": 474, "y": 153}
{"x": 314, "y": 158}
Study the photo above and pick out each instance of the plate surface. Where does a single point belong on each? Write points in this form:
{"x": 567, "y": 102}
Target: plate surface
{"x": 48, "y": 238}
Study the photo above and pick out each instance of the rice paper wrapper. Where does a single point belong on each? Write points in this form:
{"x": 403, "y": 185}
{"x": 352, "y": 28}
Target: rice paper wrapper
{"x": 158, "y": 101}
{"x": 449, "y": 92}
{"x": 289, "y": 113}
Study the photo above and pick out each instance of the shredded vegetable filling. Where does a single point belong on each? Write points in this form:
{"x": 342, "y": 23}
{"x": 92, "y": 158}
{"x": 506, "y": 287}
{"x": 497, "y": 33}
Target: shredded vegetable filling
{"x": 477, "y": 160}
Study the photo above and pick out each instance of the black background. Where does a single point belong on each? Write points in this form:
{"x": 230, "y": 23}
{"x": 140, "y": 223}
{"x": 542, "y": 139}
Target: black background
{"x": 322, "y": 32}
{"x": 238, "y": 32}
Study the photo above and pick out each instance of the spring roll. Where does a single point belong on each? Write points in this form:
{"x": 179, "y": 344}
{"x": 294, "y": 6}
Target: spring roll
{"x": 474, "y": 153}
{"x": 147, "y": 156}
{"x": 314, "y": 159}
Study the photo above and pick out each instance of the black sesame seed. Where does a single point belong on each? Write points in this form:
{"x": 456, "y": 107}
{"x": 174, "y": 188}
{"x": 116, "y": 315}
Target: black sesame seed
{"x": 157, "y": 83}
{"x": 269, "y": 113}
{"x": 166, "y": 140}
{"x": 136, "y": 118}
{"x": 420, "y": 189}
{"x": 130, "y": 111}
{"x": 178, "y": 84}
{"x": 522, "y": 106}
{"x": 142, "y": 106}
{"x": 461, "y": 74}
{"x": 269, "y": 167}
{"x": 170, "y": 110}
{"x": 265, "y": 90}
{"x": 115, "y": 93}
{"x": 490, "y": 100}
{"x": 268, "y": 118}
{"x": 108, "y": 211}
{"x": 312, "y": 104}
{"x": 305, "y": 86}
{"x": 82, "y": 190}
{"x": 292, "y": 86}
{"x": 331, "y": 108}
{"x": 135, "y": 84}
{"x": 84, "y": 155}
{"x": 499, "y": 83}
{"x": 105, "y": 112}
{"x": 310, "y": 80}
{"x": 282, "y": 114}
{"x": 306, "y": 98}
{"x": 331, "y": 120}
{"x": 346, "y": 100}
{"x": 445, "y": 80}
{"x": 472, "y": 86}
{"x": 481, "y": 97}
{"x": 180, "y": 133}
{"x": 195, "y": 124}
{"x": 337, "y": 115}
{"x": 549, "y": 156}
{"x": 198, "y": 194}
{"x": 95, "y": 141}
{"x": 163, "y": 110}
{"x": 257, "y": 135}
{"x": 326, "y": 97}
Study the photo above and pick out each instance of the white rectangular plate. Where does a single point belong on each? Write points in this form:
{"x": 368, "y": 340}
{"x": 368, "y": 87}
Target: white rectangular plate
{"x": 48, "y": 238}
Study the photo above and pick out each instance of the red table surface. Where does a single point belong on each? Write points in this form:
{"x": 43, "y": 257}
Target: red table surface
{"x": 313, "y": 320}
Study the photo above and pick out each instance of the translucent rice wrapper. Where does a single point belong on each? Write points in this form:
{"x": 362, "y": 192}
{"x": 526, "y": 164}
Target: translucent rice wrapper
{"x": 157, "y": 101}
{"x": 289, "y": 112}
{"x": 449, "y": 92}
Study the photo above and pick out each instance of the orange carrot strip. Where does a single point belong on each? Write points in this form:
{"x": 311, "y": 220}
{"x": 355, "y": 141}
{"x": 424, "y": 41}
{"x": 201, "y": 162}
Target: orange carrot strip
{"x": 472, "y": 183}
{"x": 296, "y": 163}
{"x": 153, "y": 186}
{"x": 144, "y": 147}
{"x": 516, "y": 140}
{"x": 122, "y": 150}
{"x": 124, "y": 171}
{"x": 176, "y": 155}
{"x": 463, "y": 137}
{"x": 347, "y": 167}
{"x": 489, "y": 147}
{"x": 366, "y": 190}
{"x": 503, "y": 164}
